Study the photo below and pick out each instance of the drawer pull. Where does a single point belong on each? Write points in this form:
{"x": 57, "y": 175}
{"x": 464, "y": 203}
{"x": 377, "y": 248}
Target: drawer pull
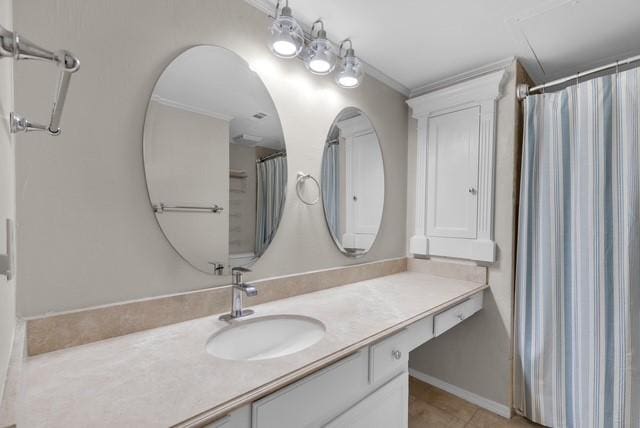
{"x": 396, "y": 354}
{"x": 461, "y": 317}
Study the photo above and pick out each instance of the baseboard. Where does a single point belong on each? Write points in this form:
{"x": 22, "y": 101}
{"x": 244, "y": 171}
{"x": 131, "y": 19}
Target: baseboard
{"x": 485, "y": 403}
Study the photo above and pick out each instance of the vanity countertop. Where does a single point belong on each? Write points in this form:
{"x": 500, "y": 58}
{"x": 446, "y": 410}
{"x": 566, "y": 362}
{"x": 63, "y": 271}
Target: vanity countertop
{"x": 164, "y": 376}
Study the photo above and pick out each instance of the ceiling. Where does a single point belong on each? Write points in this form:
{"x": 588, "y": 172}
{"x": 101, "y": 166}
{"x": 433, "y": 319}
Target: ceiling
{"x": 216, "y": 82}
{"x": 419, "y": 42}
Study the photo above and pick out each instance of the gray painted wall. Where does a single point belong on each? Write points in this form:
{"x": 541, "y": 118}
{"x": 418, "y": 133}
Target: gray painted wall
{"x": 7, "y": 198}
{"x": 87, "y": 233}
{"x": 476, "y": 356}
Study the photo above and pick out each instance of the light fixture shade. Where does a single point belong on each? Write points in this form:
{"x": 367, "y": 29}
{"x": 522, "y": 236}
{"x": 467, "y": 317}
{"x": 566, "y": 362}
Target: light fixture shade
{"x": 287, "y": 38}
{"x": 349, "y": 73}
{"x": 320, "y": 55}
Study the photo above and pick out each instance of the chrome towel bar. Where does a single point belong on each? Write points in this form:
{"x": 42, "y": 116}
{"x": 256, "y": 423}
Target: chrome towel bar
{"x": 302, "y": 178}
{"x": 14, "y": 46}
{"x": 162, "y": 208}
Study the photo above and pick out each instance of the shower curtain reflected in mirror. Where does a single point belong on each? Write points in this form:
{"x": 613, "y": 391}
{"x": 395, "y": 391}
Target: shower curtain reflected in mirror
{"x": 271, "y": 192}
{"x": 331, "y": 186}
{"x": 577, "y": 337}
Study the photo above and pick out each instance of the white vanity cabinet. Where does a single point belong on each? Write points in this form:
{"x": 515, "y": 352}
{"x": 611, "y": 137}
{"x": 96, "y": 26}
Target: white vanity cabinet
{"x": 345, "y": 388}
{"x": 455, "y": 170}
{"x": 367, "y": 389}
{"x": 313, "y": 400}
{"x": 385, "y": 407}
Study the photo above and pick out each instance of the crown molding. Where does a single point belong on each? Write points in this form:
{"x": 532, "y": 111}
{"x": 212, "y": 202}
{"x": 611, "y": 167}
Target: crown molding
{"x": 180, "y": 106}
{"x": 459, "y": 78}
{"x": 263, "y": 6}
{"x": 478, "y": 90}
{"x": 268, "y": 8}
{"x": 359, "y": 125}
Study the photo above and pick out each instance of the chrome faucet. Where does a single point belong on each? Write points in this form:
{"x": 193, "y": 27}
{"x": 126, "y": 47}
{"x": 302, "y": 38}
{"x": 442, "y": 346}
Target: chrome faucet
{"x": 238, "y": 288}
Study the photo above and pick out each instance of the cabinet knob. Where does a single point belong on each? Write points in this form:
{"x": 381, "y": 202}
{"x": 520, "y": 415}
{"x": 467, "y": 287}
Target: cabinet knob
{"x": 396, "y": 354}
{"x": 472, "y": 190}
{"x": 461, "y": 317}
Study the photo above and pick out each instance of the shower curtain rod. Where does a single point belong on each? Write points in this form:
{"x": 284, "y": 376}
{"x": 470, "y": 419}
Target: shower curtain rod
{"x": 523, "y": 89}
{"x": 271, "y": 156}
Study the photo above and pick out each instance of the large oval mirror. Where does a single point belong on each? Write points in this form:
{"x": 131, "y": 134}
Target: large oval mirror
{"x": 353, "y": 182}
{"x": 214, "y": 159}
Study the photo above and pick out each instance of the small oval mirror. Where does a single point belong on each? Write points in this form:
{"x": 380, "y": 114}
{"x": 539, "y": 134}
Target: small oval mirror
{"x": 353, "y": 182}
{"x": 214, "y": 159}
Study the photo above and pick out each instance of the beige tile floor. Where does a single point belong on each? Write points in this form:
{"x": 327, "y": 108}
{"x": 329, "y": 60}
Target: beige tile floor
{"x": 430, "y": 407}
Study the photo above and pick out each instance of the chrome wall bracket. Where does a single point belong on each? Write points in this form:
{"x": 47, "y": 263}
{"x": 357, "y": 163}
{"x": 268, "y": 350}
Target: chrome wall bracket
{"x": 14, "y": 46}
{"x": 522, "y": 91}
{"x": 7, "y": 265}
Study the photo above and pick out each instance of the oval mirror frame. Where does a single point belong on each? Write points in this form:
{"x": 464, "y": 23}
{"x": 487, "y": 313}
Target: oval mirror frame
{"x": 178, "y": 186}
{"x": 353, "y": 141}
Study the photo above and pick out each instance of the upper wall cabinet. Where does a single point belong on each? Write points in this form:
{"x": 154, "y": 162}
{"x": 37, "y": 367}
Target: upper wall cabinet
{"x": 455, "y": 170}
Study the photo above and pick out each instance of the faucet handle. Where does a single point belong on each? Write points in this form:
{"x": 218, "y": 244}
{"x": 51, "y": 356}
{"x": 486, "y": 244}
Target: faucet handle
{"x": 237, "y": 272}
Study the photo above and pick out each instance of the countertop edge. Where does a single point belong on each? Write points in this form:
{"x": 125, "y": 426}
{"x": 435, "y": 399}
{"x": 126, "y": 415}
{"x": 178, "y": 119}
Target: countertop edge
{"x": 8, "y": 417}
{"x": 223, "y": 409}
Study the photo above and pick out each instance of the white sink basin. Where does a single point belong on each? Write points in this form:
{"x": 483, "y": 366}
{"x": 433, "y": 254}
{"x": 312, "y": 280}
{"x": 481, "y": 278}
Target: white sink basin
{"x": 265, "y": 337}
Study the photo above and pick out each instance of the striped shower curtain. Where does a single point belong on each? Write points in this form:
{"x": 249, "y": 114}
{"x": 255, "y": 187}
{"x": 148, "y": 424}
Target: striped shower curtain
{"x": 577, "y": 330}
{"x": 271, "y": 191}
{"x": 331, "y": 187}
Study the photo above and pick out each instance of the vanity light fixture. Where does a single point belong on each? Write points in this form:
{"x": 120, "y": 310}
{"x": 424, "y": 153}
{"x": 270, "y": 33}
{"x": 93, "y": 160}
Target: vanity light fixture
{"x": 349, "y": 73}
{"x": 287, "y": 37}
{"x": 319, "y": 55}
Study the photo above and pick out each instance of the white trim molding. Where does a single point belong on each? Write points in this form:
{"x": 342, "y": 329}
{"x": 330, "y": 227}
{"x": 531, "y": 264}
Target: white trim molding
{"x": 482, "y": 92}
{"x": 470, "y": 92}
{"x": 461, "y": 77}
{"x": 487, "y": 404}
{"x": 192, "y": 109}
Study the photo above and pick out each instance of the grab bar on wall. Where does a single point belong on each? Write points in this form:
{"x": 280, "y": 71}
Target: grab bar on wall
{"x": 14, "y": 46}
{"x": 162, "y": 208}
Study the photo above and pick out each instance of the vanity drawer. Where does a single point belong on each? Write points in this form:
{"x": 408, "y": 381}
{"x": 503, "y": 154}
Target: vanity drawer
{"x": 316, "y": 398}
{"x": 454, "y": 316}
{"x": 419, "y": 333}
{"x": 388, "y": 357}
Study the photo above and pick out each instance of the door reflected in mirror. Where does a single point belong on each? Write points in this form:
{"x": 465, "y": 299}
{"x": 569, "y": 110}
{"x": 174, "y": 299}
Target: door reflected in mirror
{"x": 353, "y": 182}
{"x": 215, "y": 159}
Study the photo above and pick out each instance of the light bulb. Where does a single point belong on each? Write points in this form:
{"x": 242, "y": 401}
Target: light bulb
{"x": 285, "y": 48}
{"x": 347, "y": 81}
{"x": 287, "y": 37}
{"x": 350, "y": 71}
{"x": 320, "y": 56}
{"x": 320, "y": 66}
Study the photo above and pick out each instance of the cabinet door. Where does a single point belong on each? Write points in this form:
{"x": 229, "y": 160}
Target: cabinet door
{"x": 452, "y": 176}
{"x": 387, "y": 407}
{"x": 316, "y": 398}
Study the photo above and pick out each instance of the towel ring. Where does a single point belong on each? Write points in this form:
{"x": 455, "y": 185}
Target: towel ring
{"x": 302, "y": 177}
